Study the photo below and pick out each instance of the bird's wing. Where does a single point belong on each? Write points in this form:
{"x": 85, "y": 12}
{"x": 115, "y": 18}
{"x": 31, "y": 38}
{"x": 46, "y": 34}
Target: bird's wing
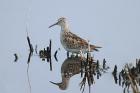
{"x": 77, "y": 39}
{"x": 74, "y": 39}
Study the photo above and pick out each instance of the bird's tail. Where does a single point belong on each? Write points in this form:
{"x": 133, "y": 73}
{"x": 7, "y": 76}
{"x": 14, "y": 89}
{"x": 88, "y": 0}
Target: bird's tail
{"x": 93, "y": 47}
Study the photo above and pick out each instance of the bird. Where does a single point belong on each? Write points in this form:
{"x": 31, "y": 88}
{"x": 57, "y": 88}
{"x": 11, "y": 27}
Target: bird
{"x": 70, "y": 41}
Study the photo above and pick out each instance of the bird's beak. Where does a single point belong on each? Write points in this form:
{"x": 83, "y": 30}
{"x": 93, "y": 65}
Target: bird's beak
{"x": 54, "y": 83}
{"x": 53, "y": 25}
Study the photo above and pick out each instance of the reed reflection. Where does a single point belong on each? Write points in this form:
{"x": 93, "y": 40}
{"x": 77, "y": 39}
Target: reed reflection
{"x": 128, "y": 77}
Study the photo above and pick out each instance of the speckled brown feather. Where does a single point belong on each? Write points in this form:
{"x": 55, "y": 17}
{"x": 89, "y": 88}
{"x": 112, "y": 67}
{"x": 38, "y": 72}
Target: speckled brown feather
{"x": 76, "y": 42}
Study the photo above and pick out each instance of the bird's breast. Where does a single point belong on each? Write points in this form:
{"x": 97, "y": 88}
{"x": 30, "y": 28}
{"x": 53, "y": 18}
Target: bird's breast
{"x": 70, "y": 43}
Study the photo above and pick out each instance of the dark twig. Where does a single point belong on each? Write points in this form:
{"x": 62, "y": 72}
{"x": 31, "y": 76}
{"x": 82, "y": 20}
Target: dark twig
{"x": 29, "y": 79}
{"x": 30, "y": 45}
{"x": 104, "y": 63}
{"x": 50, "y": 47}
{"x": 115, "y": 74}
{"x": 55, "y": 54}
{"x": 29, "y": 57}
{"x": 16, "y": 57}
{"x": 36, "y": 49}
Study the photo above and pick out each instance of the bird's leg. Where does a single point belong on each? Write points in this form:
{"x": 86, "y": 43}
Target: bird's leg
{"x": 77, "y": 55}
{"x": 72, "y": 55}
{"x": 67, "y": 54}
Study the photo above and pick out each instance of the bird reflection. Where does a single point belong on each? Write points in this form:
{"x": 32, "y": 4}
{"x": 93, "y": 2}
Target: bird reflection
{"x": 70, "y": 67}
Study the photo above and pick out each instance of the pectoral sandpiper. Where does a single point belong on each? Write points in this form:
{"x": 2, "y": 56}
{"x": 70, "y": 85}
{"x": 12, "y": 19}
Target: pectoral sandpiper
{"x": 71, "y": 42}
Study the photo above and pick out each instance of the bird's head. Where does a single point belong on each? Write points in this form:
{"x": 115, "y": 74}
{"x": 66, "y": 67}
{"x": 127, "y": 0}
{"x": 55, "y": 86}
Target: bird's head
{"x": 61, "y": 21}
